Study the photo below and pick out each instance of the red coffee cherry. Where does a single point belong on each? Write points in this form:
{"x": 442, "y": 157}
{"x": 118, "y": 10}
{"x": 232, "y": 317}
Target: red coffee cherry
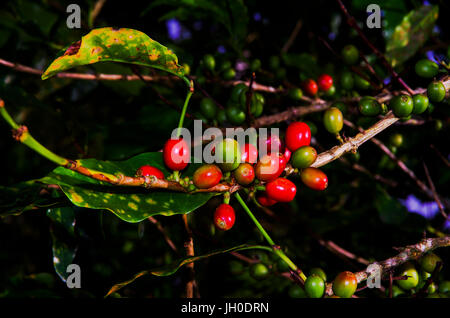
{"x": 287, "y": 154}
{"x": 325, "y": 82}
{"x": 244, "y": 174}
{"x": 281, "y": 190}
{"x": 298, "y": 134}
{"x": 264, "y": 200}
{"x": 224, "y": 217}
{"x": 207, "y": 176}
{"x": 147, "y": 170}
{"x": 270, "y": 167}
{"x": 249, "y": 153}
{"x": 310, "y": 87}
{"x": 176, "y": 154}
{"x": 273, "y": 144}
{"x": 314, "y": 179}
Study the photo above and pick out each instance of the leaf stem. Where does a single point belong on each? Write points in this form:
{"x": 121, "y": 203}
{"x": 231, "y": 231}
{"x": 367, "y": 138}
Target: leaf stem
{"x": 186, "y": 103}
{"x": 275, "y": 248}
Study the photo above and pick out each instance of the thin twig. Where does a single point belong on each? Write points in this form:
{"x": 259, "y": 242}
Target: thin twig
{"x": 292, "y": 37}
{"x": 164, "y": 233}
{"x": 433, "y": 189}
{"x": 191, "y": 284}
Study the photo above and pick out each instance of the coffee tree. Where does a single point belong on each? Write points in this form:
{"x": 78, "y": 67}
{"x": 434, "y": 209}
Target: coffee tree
{"x": 164, "y": 148}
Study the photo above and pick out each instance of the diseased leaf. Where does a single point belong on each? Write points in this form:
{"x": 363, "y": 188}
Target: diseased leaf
{"x": 131, "y": 204}
{"x": 174, "y": 267}
{"x": 117, "y": 45}
{"x": 411, "y": 34}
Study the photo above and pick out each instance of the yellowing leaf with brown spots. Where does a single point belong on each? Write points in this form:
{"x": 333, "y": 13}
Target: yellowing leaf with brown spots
{"x": 131, "y": 204}
{"x": 116, "y": 45}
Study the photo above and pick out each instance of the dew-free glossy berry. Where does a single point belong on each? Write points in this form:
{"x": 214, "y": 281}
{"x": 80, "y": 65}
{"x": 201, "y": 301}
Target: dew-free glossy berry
{"x": 413, "y": 277}
{"x": 259, "y": 271}
{"x": 429, "y": 262}
{"x": 298, "y": 134}
{"x": 350, "y": 54}
{"x": 270, "y": 167}
{"x": 402, "y": 105}
{"x": 264, "y": 200}
{"x": 314, "y": 179}
{"x": 249, "y": 153}
{"x": 426, "y": 68}
{"x": 325, "y": 82}
{"x": 303, "y": 157}
{"x": 310, "y": 87}
{"x": 147, "y": 170}
{"x": 436, "y": 92}
{"x": 333, "y": 120}
{"x": 344, "y": 285}
{"x": 281, "y": 190}
{"x": 228, "y": 154}
{"x": 224, "y": 217}
{"x": 176, "y": 154}
{"x": 314, "y": 286}
{"x": 421, "y": 103}
{"x": 369, "y": 107}
{"x": 244, "y": 174}
{"x": 207, "y": 176}
{"x": 208, "y": 108}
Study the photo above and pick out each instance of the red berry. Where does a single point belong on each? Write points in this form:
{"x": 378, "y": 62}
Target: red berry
{"x": 325, "y": 82}
{"x": 270, "y": 167}
{"x": 281, "y": 190}
{"x": 287, "y": 154}
{"x": 314, "y": 178}
{"x": 224, "y": 217}
{"x": 147, "y": 170}
{"x": 244, "y": 174}
{"x": 176, "y": 154}
{"x": 264, "y": 200}
{"x": 207, "y": 176}
{"x": 310, "y": 87}
{"x": 249, "y": 153}
{"x": 273, "y": 144}
{"x": 344, "y": 285}
{"x": 298, "y": 134}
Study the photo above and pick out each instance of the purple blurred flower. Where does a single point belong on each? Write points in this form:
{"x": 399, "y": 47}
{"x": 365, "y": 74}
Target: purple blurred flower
{"x": 430, "y": 56}
{"x": 426, "y": 3}
{"x": 332, "y": 36}
{"x": 174, "y": 29}
{"x": 221, "y": 49}
{"x": 447, "y": 225}
{"x": 426, "y": 209}
{"x": 257, "y": 16}
{"x": 387, "y": 80}
{"x": 241, "y": 66}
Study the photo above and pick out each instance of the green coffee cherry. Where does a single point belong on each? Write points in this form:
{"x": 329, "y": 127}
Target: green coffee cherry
{"x": 333, "y": 120}
{"x": 402, "y": 105}
{"x": 314, "y": 286}
{"x": 296, "y": 93}
{"x": 228, "y": 152}
{"x": 304, "y": 157}
{"x": 235, "y": 114}
{"x": 350, "y": 54}
{"x": 255, "y": 65}
{"x": 369, "y": 107}
{"x": 229, "y": 74}
{"x": 347, "y": 80}
{"x": 436, "y": 92}
{"x": 396, "y": 140}
{"x": 421, "y": 103}
{"x": 221, "y": 116}
{"x": 259, "y": 271}
{"x": 319, "y": 272}
{"x": 209, "y": 62}
{"x": 413, "y": 277}
{"x": 274, "y": 62}
{"x": 208, "y": 108}
{"x": 426, "y": 68}
{"x": 429, "y": 262}
{"x": 236, "y": 92}
{"x": 361, "y": 83}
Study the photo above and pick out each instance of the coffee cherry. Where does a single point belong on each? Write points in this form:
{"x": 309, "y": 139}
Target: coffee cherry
{"x": 344, "y": 285}
{"x": 436, "y": 92}
{"x": 236, "y": 92}
{"x": 319, "y": 272}
{"x": 444, "y": 287}
{"x": 325, "y": 82}
{"x": 259, "y": 271}
{"x": 361, "y": 83}
{"x": 228, "y": 154}
{"x": 296, "y": 291}
{"x": 244, "y": 174}
{"x": 333, "y": 120}
{"x": 208, "y": 108}
{"x": 396, "y": 291}
{"x": 270, "y": 167}
{"x": 369, "y": 107}
{"x": 207, "y": 176}
{"x": 264, "y": 200}
{"x": 310, "y": 87}
{"x": 224, "y": 217}
{"x": 243, "y": 99}
{"x": 426, "y": 68}
{"x": 298, "y": 134}
{"x": 209, "y": 62}
{"x": 314, "y": 286}
{"x": 281, "y": 190}
{"x": 402, "y": 105}
{"x": 287, "y": 154}
{"x": 413, "y": 279}
{"x": 331, "y": 91}
{"x": 187, "y": 68}
{"x": 304, "y": 157}
{"x": 396, "y": 140}
{"x": 255, "y": 65}
{"x": 272, "y": 143}
{"x": 296, "y": 93}
{"x": 225, "y": 65}
{"x": 235, "y": 114}
{"x": 350, "y": 54}
{"x": 249, "y": 153}
{"x": 274, "y": 62}
{"x": 229, "y": 74}
{"x": 176, "y": 154}
{"x": 147, "y": 170}
{"x": 347, "y": 80}
{"x": 421, "y": 103}
{"x": 429, "y": 262}
{"x": 221, "y": 116}
{"x": 314, "y": 179}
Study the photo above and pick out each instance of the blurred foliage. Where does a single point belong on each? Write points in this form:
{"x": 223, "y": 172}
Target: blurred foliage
{"x": 118, "y": 120}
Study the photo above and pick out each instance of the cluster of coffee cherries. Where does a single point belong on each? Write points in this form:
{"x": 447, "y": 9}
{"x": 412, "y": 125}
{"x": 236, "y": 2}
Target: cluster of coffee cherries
{"x": 243, "y": 165}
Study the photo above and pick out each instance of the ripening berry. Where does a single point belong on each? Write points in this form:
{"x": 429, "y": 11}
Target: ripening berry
{"x": 224, "y": 217}
{"x": 207, "y": 176}
{"x": 325, "y": 82}
{"x": 281, "y": 190}
{"x": 344, "y": 285}
{"x": 147, "y": 170}
{"x": 176, "y": 154}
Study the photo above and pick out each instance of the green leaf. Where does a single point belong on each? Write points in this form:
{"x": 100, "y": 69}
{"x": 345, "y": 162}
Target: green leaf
{"x": 117, "y": 45}
{"x": 64, "y": 247}
{"x": 131, "y": 204}
{"x": 390, "y": 210}
{"x": 411, "y": 34}
{"x": 175, "y": 266}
